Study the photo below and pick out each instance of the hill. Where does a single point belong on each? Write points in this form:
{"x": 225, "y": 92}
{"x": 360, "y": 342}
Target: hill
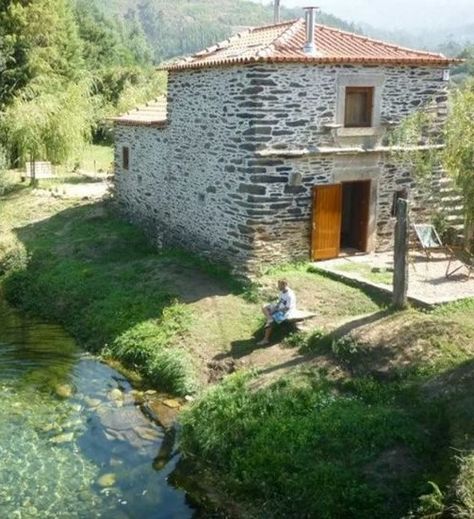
{"x": 182, "y": 27}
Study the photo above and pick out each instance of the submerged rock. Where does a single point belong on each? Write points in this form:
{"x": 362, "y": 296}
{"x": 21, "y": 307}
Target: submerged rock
{"x": 62, "y": 438}
{"x": 63, "y": 390}
{"x": 107, "y": 480}
{"x": 92, "y": 403}
{"x": 115, "y": 394}
{"x": 160, "y": 413}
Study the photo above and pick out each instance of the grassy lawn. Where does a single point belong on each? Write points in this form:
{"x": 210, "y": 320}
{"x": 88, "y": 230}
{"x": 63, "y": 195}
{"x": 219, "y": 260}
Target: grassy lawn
{"x": 97, "y": 159}
{"x": 368, "y": 272}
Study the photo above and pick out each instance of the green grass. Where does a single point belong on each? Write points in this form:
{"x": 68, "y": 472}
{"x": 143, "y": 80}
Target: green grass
{"x": 301, "y": 445}
{"x": 99, "y": 277}
{"x": 367, "y": 272}
{"x": 350, "y": 445}
{"x": 326, "y": 297}
{"x": 96, "y": 159}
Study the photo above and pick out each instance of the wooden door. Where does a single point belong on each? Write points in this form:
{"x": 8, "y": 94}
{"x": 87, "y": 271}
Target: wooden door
{"x": 361, "y": 211}
{"x": 327, "y": 213}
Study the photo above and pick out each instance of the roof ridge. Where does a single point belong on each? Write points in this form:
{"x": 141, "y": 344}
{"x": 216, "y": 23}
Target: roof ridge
{"x": 235, "y": 37}
{"x": 285, "y": 34}
{"x": 378, "y": 41}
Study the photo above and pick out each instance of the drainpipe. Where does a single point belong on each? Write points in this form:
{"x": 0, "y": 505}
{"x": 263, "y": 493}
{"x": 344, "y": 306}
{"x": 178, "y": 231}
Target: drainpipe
{"x": 276, "y": 11}
{"x": 310, "y": 21}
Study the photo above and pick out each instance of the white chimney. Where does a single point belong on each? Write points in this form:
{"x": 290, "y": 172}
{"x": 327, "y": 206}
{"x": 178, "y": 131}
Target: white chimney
{"x": 310, "y": 21}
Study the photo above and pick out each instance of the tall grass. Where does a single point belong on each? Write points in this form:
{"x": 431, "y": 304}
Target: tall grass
{"x": 301, "y": 449}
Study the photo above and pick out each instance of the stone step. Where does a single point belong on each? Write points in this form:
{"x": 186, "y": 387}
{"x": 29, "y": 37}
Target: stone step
{"x": 453, "y": 199}
{"x": 453, "y": 209}
{"x": 453, "y": 219}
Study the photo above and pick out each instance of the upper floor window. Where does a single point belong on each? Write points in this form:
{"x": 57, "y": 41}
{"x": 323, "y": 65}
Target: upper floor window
{"x": 359, "y": 107}
{"x": 125, "y": 158}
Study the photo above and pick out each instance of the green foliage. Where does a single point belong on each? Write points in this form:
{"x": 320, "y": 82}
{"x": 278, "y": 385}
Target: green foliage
{"x": 49, "y": 122}
{"x": 146, "y": 347}
{"x": 418, "y": 129}
{"x": 458, "y": 156}
{"x": 3, "y": 170}
{"x": 431, "y": 505}
{"x": 101, "y": 279}
{"x": 464, "y": 488}
{"x": 345, "y": 348}
{"x": 300, "y": 446}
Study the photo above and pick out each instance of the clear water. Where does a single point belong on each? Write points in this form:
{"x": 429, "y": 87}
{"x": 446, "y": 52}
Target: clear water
{"x": 79, "y": 453}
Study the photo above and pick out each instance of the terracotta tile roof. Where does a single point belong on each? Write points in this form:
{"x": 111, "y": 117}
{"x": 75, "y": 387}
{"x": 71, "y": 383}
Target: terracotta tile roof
{"x": 154, "y": 113}
{"x": 284, "y": 42}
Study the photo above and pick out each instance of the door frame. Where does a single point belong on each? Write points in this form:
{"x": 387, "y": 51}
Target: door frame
{"x": 370, "y": 220}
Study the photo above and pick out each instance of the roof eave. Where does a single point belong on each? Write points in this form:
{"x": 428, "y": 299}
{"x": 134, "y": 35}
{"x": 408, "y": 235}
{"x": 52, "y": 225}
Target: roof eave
{"x": 418, "y": 61}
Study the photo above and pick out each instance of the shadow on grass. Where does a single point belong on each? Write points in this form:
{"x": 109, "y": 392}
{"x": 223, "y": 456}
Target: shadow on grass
{"x": 101, "y": 279}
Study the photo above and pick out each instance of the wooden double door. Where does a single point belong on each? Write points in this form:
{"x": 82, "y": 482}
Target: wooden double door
{"x": 340, "y": 218}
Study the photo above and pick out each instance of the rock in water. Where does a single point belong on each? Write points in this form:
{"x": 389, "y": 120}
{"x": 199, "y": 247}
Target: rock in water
{"x": 115, "y": 394}
{"x": 173, "y": 404}
{"x": 62, "y": 438}
{"x": 63, "y": 390}
{"x": 107, "y": 480}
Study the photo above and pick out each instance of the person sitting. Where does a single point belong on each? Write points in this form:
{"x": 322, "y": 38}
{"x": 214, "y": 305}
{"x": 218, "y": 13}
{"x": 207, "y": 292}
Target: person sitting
{"x": 279, "y": 311}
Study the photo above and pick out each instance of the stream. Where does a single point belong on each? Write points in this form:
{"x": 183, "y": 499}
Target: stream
{"x": 73, "y": 440}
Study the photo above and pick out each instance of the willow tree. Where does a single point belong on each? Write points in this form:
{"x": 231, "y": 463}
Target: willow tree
{"x": 46, "y": 103}
{"x": 50, "y": 123}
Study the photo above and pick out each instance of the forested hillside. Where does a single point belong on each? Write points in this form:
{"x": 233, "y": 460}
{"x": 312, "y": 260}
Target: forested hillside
{"x": 181, "y": 27}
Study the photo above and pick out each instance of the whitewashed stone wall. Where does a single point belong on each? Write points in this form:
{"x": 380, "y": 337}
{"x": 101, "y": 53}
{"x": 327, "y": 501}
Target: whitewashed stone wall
{"x": 199, "y": 183}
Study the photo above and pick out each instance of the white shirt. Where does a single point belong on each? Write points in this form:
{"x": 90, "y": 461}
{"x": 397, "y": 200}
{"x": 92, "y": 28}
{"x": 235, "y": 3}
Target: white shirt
{"x": 287, "y": 302}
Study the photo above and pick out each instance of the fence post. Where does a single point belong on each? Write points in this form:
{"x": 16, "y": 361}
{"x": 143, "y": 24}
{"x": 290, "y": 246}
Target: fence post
{"x": 400, "y": 259}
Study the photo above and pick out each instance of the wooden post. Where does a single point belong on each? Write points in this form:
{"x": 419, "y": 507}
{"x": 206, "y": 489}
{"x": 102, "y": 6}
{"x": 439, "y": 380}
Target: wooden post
{"x": 400, "y": 258}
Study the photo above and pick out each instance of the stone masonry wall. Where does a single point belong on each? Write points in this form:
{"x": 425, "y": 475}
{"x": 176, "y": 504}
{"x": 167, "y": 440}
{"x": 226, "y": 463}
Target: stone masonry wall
{"x": 200, "y": 183}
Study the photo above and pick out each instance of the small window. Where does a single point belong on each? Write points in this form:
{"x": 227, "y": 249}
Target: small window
{"x": 358, "y": 107}
{"x": 125, "y": 158}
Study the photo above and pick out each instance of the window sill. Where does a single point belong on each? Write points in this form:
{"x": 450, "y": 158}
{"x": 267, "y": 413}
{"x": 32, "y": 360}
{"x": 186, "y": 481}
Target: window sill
{"x": 358, "y": 132}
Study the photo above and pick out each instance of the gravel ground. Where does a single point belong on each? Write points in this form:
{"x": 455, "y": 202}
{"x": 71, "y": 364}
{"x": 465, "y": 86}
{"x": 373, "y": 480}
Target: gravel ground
{"x": 427, "y": 277}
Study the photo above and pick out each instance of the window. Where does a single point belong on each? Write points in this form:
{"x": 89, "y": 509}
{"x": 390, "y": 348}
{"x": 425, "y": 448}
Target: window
{"x": 358, "y": 107}
{"x": 125, "y": 158}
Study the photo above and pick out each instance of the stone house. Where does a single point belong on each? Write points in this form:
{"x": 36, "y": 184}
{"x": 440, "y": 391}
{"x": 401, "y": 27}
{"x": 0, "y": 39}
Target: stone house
{"x": 269, "y": 146}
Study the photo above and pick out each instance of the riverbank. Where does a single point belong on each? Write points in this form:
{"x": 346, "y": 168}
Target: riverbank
{"x": 352, "y": 418}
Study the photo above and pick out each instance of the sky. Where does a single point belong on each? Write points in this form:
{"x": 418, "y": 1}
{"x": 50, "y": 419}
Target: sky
{"x": 396, "y": 14}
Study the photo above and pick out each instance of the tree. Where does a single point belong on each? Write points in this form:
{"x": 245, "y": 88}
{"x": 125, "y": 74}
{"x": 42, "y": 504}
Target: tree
{"x": 52, "y": 123}
{"x": 458, "y": 155}
{"x": 46, "y": 92}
